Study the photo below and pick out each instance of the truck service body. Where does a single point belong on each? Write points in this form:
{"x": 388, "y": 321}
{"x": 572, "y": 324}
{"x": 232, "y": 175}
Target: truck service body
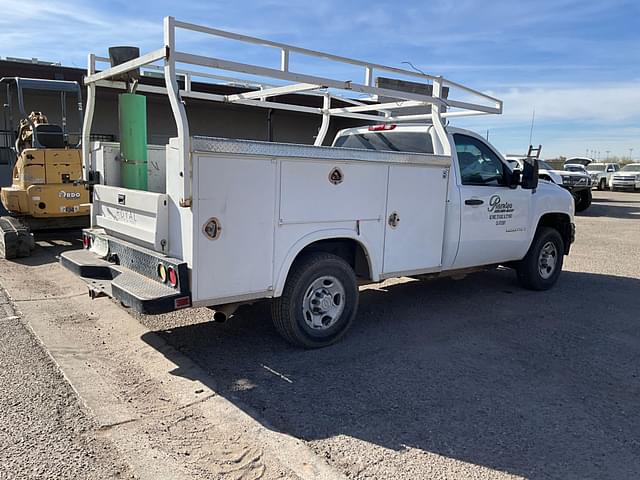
{"x": 243, "y": 220}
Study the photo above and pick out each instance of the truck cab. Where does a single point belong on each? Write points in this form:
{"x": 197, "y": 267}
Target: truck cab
{"x": 490, "y": 218}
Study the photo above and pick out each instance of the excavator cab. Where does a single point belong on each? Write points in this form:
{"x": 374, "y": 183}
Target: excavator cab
{"x": 46, "y": 190}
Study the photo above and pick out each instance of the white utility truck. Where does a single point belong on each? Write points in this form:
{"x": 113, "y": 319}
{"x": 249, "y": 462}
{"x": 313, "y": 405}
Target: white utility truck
{"x": 304, "y": 225}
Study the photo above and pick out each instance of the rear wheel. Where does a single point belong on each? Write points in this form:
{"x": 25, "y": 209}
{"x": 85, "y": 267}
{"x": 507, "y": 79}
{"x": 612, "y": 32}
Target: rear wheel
{"x": 319, "y": 301}
{"x": 582, "y": 200}
{"x": 540, "y": 268}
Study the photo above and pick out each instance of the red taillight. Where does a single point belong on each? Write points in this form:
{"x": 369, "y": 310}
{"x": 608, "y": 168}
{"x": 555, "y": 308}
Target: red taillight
{"x": 173, "y": 276}
{"x": 86, "y": 241}
{"x": 378, "y": 128}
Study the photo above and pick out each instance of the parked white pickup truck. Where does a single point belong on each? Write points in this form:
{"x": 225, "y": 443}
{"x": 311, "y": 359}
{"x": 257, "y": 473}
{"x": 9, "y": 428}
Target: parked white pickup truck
{"x": 601, "y": 173}
{"x": 305, "y": 225}
{"x": 628, "y": 178}
{"x": 577, "y": 182}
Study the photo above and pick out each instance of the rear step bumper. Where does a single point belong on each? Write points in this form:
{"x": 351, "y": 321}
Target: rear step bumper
{"x": 132, "y": 288}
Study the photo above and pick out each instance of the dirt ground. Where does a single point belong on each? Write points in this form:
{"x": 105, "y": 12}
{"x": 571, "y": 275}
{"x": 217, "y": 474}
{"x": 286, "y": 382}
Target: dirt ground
{"x": 471, "y": 378}
{"x": 44, "y": 431}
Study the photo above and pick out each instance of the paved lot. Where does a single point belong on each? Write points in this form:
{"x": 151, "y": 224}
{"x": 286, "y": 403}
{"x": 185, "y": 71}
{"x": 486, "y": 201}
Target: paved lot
{"x": 478, "y": 371}
{"x": 473, "y": 378}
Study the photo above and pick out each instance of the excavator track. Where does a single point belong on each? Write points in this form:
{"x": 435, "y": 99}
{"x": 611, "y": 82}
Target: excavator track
{"x": 16, "y": 239}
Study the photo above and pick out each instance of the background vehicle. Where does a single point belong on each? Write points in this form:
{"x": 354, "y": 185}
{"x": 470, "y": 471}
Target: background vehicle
{"x": 577, "y": 182}
{"x": 628, "y": 178}
{"x": 46, "y": 190}
{"x": 575, "y": 168}
{"x": 305, "y": 224}
{"x": 601, "y": 173}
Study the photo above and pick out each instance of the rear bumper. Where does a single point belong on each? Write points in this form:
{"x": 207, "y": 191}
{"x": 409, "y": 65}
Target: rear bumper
{"x": 129, "y": 275}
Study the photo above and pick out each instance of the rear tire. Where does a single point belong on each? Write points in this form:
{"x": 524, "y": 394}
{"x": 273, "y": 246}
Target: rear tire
{"x": 541, "y": 266}
{"x": 583, "y": 200}
{"x": 319, "y": 301}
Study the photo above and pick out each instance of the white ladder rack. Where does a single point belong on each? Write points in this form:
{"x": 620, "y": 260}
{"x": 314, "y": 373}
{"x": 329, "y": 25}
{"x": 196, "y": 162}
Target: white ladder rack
{"x": 371, "y": 109}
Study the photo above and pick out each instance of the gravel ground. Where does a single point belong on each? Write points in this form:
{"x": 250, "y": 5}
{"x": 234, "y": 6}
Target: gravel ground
{"x": 472, "y": 378}
{"x": 44, "y": 433}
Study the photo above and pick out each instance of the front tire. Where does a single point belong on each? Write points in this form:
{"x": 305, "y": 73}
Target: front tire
{"x": 603, "y": 184}
{"x": 583, "y": 200}
{"x": 319, "y": 301}
{"x": 541, "y": 266}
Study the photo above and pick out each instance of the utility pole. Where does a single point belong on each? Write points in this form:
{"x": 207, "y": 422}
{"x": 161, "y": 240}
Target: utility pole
{"x": 533, "y": 118}
{"x": 608, "y": 154}
{"x": 631, "y": 154}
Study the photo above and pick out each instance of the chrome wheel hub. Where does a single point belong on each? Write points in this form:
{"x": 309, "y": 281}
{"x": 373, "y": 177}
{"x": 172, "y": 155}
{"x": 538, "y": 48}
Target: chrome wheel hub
{"x": 547, "y": 260}
{"x": 323, "y": 302}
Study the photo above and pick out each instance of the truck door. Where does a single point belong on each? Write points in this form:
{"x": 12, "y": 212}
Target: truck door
{"x": 494, "y": 217}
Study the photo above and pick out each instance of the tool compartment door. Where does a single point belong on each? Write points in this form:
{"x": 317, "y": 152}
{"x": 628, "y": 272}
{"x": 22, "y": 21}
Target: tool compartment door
{"x": 239, "y": 195}
{"x": 414, "y": 232}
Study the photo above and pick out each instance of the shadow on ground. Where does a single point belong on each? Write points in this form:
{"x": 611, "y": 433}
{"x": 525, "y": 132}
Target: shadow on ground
{"x": 539, "y": 384}
{"x": 49, "y": 245}
{"x": 613, "y": 210}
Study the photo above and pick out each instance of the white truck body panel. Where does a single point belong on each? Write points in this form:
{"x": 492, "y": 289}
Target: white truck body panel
{"x": 132, "y": 214}
{"x": 418, "y": 195}
{"x": 271, "y": 201}
{"x": 241, "y": 194}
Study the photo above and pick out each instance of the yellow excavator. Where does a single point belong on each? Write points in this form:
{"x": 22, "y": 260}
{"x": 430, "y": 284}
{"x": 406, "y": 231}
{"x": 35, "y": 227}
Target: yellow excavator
{"x": 46, "y": 190}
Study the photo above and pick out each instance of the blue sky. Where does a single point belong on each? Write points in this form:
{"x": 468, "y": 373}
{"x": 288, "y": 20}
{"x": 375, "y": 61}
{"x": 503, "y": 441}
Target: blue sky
{"x": 576, "y": 62}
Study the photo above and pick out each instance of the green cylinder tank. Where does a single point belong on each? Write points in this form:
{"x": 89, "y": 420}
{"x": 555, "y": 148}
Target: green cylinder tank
{"x": 132, "y": 112}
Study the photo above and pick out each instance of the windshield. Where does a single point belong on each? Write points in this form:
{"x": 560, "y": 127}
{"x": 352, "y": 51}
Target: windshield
{"x": 544, "y": 165}
{"x": 574, "y": 168}
{"x": 417, "y": 142}
{"x": 596, "y": 168}
{"x": 631, "y": 168}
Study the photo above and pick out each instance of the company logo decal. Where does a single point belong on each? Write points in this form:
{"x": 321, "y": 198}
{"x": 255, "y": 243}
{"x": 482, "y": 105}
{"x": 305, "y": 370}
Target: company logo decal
{"x": 499, "y": 210}
{"x": 69, "y": 195}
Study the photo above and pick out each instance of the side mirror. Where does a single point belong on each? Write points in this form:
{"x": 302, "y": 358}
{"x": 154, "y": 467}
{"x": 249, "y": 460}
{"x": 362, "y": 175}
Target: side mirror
{"x": 530, "y": 174}
{"x": 514, "y": 178}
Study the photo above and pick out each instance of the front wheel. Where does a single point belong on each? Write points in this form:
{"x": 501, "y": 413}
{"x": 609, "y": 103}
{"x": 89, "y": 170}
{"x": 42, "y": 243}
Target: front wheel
{"x": 583, "y": 200}
{"x": 319, "y": 301}
{"x": 603, "y": 184}
{"x": 541, "y": 266}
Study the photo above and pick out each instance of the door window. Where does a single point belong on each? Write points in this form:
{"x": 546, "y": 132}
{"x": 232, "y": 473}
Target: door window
{"x": 478, "y": 164}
